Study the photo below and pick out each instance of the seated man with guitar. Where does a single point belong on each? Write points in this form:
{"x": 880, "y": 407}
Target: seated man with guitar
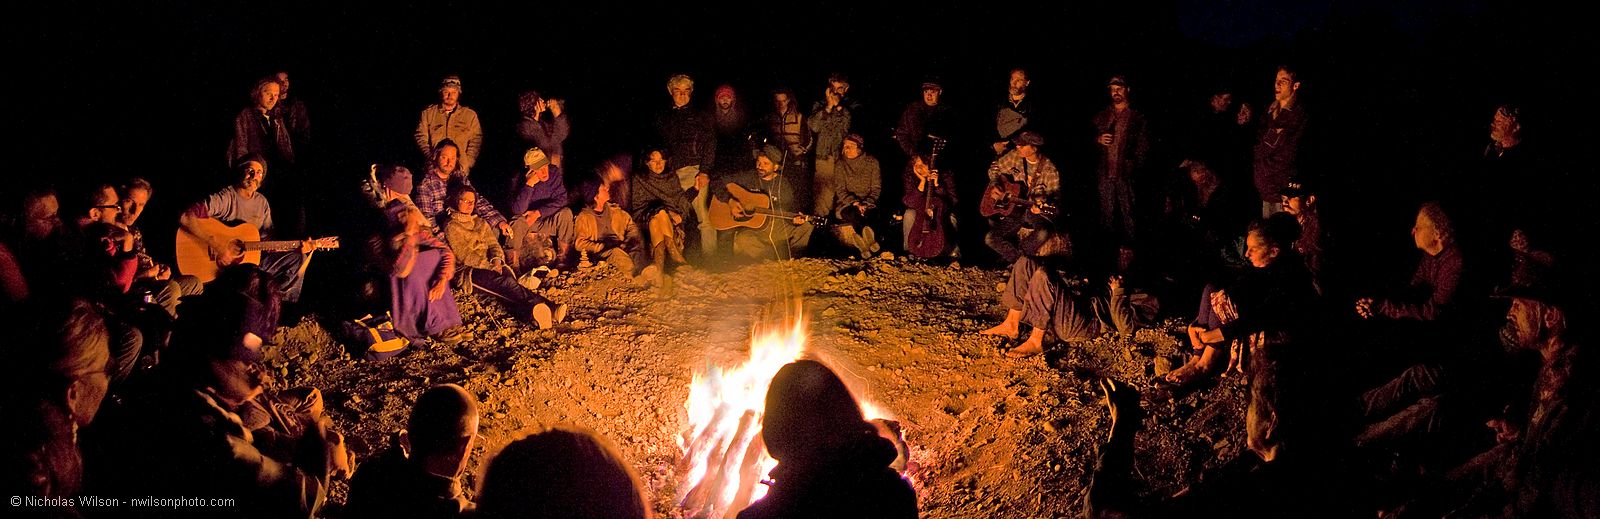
{"x": 1020, "y": 201}
{"x": 226, "y": 229}
{"x": 749, "y": 198}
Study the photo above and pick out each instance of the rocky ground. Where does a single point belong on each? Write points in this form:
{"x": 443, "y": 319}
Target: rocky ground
{"x": 989, "y": 436}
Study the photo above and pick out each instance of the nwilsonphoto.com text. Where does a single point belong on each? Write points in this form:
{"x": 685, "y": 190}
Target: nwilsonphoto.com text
{"x": 113, "y": 502}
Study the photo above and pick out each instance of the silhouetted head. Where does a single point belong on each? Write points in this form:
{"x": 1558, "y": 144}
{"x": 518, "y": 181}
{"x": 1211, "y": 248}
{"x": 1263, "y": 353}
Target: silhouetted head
{"x": 561, "y": 472}
{"x": 443, "y": 425}
{"x": 810, "y": 413}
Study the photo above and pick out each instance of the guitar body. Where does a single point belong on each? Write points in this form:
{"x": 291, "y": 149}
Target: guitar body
{"x": 721, "y": 213}
{"x": 928, "y": 237}
{"x": 194, "y": 254}
{"x": 1002, "y": 197}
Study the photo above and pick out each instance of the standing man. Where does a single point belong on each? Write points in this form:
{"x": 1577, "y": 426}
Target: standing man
{"x": 260, "y": 129}
{"x": 294, "y": 115}
{"x": 692, "y": 149}
{"x": 1278, "y": 140}
{"x": 830, "y": 122}
{"x": 450, "y": 120}
{"x": 546, "y": 131}
{"x": 787, "y": 128}
{"x": 921, "y": 119}
{"x": 1124, "y": 141}
{"x": 1012, "y": 116}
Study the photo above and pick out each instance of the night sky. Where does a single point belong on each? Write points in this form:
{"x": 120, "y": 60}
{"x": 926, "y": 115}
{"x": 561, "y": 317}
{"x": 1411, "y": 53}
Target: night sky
{"x": 1399, "y": 95}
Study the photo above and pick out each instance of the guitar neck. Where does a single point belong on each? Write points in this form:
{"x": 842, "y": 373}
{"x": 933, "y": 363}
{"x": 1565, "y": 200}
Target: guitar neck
{"x": 278, "y": 245}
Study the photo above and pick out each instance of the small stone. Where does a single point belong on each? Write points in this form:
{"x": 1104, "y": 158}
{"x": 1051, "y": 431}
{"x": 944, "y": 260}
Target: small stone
{"x": 355, "y": 398}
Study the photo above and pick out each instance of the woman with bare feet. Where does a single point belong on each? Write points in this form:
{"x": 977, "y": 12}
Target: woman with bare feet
{"x": 1271, "y": 298}
{"x": 1037, "y": 296}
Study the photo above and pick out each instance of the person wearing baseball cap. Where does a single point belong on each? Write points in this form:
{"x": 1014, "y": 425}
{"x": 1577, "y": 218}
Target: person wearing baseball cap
{"x": 540, "y": 206}
{"x": 1123, "y": 141}
{"x": 923, "y": 120}
{"x": 449, "y": 119}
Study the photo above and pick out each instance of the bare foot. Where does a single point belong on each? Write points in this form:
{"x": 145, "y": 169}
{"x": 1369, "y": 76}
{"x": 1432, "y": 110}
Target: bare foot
{"x": 1005, "y": 329}
{"x": 1033, "y": 346}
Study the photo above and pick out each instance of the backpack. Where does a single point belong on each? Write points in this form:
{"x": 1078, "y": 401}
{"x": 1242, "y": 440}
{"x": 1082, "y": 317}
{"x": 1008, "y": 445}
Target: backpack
{"x": 373, "y": 337}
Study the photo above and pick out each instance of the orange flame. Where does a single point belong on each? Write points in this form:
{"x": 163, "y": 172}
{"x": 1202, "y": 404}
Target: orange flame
{"x": 724, "y": 458}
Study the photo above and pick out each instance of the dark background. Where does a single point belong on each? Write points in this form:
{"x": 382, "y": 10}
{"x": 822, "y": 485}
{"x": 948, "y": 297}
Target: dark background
{"x": 1400, "y": 96}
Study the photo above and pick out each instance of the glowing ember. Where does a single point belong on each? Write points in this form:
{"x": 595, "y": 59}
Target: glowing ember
{"x": 724, "y": 458}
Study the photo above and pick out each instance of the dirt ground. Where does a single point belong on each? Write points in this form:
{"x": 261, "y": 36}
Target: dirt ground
{"x": 989, "y": 436}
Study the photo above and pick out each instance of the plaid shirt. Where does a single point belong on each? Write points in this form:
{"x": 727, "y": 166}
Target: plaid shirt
{"x": 433, "y": 191}
{"x": 1041, "y": 177}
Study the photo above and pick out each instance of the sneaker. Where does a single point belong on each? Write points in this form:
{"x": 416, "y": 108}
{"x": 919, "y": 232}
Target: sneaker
{"x": 452, "y": 336}
{"x": 547, "y": 316}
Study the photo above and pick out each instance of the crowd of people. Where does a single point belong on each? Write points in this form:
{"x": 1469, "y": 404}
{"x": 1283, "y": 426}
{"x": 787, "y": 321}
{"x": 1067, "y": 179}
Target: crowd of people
{"x": 158, "y": 362}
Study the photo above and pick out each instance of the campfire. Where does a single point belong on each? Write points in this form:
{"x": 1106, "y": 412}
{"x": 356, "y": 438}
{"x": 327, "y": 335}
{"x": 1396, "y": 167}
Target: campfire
{"x": 724, "y": 460}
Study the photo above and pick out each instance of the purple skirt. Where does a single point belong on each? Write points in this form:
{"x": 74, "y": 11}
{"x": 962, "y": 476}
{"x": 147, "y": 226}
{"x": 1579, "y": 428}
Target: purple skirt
{"x": 414, "y": 315}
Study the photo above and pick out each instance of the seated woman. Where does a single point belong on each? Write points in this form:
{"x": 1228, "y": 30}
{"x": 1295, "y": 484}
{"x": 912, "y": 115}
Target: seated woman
{"x": 420, "y": 268}
{"x": 927, "y": 193}
{"x": 659, "y": 208}
{"x": 606, "y": 233}
{"x": 1037, "y": 296}
{"x": 1272, "y": 298}
{"x": 857, "y": 184}
{"x": 483, "y": 263}
{"x": 561, "y": 472}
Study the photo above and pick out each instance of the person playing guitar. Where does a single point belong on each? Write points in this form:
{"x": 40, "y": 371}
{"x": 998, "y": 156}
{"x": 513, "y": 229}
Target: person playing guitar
{"x": 1014, "y": 232}
{"x": 734, "y": 202}
{"x": 209, "y": 220}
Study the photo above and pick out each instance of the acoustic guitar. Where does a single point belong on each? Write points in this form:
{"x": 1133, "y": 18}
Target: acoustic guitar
{"x": 1006, "y": 196}
{"x": 757, "y": 207}
{"x": 195, "y": 257}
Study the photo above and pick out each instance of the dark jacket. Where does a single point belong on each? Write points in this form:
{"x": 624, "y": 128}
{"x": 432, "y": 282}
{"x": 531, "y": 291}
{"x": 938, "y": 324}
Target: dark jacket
{"x": 392, "y": 485}
{"x": 1277, "y": 150}
{"x": 1125, "y": 156}
{"x": 688, "y": 134}
{"x": 263, "y": 134}
{"x": 917, "y": 122}
{"x": 652, "y": 193}
{"x": 856, "y": 483}
{"x": 1433, "y": 293}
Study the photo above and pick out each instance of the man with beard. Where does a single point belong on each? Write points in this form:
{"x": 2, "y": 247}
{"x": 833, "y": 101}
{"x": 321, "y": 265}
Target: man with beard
{"x": 777, "y": 238}
{"x": 732, "y": 129}
{"x": 243, "y": 202}
{"x": 1124, "y": 141}
{"x": 1012, "y": 116}
{"x": 294, "y": 114}
{"x": 449, "y": 119}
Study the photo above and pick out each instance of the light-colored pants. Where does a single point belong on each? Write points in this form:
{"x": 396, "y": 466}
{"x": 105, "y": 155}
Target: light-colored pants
{"x": 708, "y": 234}
{"x": 822, "y": 186}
